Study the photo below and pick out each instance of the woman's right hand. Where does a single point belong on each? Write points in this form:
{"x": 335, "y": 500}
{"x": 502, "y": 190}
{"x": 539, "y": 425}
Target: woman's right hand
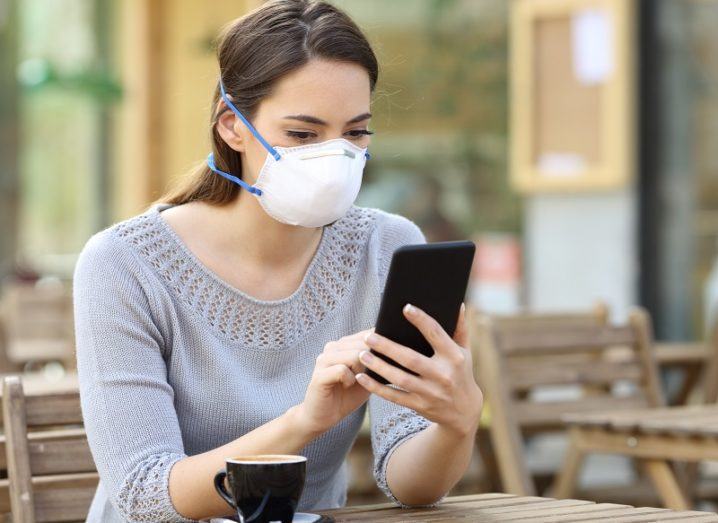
{"x": 333, "y": 392}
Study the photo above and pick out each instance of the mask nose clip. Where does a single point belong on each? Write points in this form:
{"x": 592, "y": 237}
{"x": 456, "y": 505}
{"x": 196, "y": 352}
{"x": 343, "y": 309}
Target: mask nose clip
{"x": 333, "y": 152}
{"x": 330, "y": 152}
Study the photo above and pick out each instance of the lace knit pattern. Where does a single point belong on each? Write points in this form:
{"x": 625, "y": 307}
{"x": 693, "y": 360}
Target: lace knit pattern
{"x": 392, "y": 433}
{"x": 155, "y": 328}
{"x": 144, "y": 496}
{"x": 238, "y": 317}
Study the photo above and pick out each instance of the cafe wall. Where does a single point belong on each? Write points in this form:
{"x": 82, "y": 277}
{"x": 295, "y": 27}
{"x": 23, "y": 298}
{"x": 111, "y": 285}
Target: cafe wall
{"x": 168, "y": 71}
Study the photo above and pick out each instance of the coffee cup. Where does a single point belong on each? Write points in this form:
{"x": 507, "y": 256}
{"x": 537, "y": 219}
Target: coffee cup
{"x": 263, "y": 487}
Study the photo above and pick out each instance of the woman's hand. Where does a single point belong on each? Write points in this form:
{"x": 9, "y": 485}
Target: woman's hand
{"x": 444, "y": 391}
{"x": 333, "y": 392}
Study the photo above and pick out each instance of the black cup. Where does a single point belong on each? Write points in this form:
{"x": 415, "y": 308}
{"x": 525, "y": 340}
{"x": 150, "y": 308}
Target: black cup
{"x": 263, "y": 488}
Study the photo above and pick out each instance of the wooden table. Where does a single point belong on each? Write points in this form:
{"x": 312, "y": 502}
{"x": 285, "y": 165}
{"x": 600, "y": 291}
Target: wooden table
{"x": 654, "y": 437}
{"x": 505, "y": 507}
{"x": 691, "y": 359}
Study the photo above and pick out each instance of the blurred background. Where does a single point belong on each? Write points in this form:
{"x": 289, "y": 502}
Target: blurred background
{"x": 575, "y": 142}
{"x": 105, "y": 103}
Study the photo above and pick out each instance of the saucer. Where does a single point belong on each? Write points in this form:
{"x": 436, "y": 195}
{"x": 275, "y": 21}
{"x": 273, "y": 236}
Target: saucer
{"x": 299, "y": 517}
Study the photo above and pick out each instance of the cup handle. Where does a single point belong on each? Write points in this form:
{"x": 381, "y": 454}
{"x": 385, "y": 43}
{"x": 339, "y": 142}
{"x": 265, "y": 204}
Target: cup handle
{"x": 219, "y": 486}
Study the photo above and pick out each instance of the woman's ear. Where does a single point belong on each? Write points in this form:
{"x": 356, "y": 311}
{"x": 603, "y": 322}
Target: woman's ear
{"x": 227, "y": 128}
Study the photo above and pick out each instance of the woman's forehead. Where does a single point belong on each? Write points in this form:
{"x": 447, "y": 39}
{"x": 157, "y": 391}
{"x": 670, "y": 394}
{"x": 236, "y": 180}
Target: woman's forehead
{"x": 323, "y": 89}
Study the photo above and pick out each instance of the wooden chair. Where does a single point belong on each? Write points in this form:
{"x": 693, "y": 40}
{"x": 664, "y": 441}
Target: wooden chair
{"x": 597, "y": 315}
{"x": 655, "y": 437}
{"x": 519, "y": 357}
{"x": 38, "y": 322}
{"x": 52, "y": 475}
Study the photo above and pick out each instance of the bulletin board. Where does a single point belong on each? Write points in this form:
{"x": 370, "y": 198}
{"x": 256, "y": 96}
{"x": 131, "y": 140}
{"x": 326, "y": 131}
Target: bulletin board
{"x": 572, "y": 90}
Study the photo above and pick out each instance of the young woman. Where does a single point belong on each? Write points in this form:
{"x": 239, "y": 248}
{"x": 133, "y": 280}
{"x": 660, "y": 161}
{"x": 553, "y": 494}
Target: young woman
{"x": 234, "y": 316}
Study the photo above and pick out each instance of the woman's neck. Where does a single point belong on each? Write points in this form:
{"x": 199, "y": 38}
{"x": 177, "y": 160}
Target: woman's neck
{"x": 245, "y": 247}
{"x": 244, "y": 227}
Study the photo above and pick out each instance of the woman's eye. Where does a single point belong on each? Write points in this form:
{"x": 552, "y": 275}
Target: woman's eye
{"x": 301, "y": 135}
{"x": 358, "y": 133}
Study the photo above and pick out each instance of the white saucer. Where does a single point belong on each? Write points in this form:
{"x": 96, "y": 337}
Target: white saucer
{"x": 299, "y": 517}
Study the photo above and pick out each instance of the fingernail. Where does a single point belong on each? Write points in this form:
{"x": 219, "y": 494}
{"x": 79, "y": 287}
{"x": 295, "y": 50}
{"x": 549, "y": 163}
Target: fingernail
{"x": 409, "y": 309}
{"x": 371, "y": 339}
{"x": 361, "y": 377}
{"x": 365, "y": 356}
{"x": 463, "y": 307}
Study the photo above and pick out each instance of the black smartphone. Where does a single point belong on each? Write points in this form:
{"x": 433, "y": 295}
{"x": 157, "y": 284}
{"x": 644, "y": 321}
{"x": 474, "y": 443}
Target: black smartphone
{"x": 431, "y": 276}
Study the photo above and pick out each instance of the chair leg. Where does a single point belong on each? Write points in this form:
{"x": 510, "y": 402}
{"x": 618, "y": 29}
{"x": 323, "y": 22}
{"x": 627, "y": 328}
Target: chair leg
{"x": 488, "y": 458}
{"x": 567, "y": 478}
{"x": 691, "y": 376}
{"x": 689, "y": 474}
{"x": 666, "y": 484}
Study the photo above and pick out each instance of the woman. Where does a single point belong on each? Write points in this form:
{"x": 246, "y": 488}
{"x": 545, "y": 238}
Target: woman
{"x": 234, "y": 316}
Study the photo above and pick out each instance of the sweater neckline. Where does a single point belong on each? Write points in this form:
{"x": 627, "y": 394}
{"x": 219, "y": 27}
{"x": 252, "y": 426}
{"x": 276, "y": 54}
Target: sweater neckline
{"x": 232, "y": 314}
{"x": 156, "y": 213}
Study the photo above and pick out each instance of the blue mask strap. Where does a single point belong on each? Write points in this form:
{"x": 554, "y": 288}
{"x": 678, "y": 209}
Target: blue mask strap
{"x": 238, "y": 181}
{"x": 251, "y": 128}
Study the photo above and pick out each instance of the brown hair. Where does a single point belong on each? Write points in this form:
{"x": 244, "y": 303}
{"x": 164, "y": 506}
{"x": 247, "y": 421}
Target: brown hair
{"x": 255, "y": 51}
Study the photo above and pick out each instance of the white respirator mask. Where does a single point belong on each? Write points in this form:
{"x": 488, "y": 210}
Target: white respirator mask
{"x": 308, "y": 185}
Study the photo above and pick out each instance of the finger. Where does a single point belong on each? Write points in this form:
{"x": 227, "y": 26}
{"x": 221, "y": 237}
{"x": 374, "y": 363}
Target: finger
{"x": 349, "y": 358}
{"x": 359, "y": 335}
{"x": 393, "y": 374}
{"x": 429, "y": 328}
{"x": 337, "y": 374}
{"x": 404, "y": 356}
{"x": 399, "y": 397}
{"x": 461, "y": 335}
{"x": 348, "y": 343}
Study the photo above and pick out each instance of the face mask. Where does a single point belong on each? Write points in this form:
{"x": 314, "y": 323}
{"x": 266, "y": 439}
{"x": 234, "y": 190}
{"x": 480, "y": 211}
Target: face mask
{"x": 308, "y": 185}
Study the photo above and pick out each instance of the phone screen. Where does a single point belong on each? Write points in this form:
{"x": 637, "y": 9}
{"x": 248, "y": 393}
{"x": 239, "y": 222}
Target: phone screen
{"x": 431, "y": 276}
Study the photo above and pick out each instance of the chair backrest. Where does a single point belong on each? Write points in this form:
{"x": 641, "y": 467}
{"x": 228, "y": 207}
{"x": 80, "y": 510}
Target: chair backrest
{"x": 598, "y": 314}
{"x": 38, "y": 321}
{"x": 535, "y": 369}
{"x": 50, "y": 468}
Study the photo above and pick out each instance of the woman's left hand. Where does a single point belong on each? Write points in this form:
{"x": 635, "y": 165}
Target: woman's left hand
{"x": 444, "y": 390}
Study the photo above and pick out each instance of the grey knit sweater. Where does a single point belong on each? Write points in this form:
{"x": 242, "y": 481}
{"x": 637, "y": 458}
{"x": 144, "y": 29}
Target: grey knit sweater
{"x": 173, "y": 361}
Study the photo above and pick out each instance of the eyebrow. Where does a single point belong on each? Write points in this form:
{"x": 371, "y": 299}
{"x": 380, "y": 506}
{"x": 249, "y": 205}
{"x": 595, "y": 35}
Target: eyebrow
{"x": 314, "y": 120}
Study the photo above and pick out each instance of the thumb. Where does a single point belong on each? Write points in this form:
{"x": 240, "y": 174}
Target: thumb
{"x": 461, "y": 333}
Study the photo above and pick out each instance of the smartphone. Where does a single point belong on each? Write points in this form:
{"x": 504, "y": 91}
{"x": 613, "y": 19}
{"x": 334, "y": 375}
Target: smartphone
{"x": 431, "y": 276}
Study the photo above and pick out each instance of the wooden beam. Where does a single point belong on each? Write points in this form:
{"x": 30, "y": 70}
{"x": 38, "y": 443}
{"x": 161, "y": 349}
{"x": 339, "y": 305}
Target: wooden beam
{"x": 138, "y": 163}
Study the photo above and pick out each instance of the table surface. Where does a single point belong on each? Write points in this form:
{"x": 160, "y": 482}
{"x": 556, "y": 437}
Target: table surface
{"x": 688, "y": 420}
{"x": 668, "y": 353}
{"x": 505, "y": 507}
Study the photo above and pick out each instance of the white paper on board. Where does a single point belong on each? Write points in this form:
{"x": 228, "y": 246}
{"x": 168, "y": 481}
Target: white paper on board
{"x": 592, "y": 35}
{"x": 561, "y": 165}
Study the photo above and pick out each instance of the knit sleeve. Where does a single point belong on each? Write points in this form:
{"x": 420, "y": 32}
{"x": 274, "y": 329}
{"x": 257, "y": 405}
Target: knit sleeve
{"x": 392, "y": 424}
{"x": 394, "y": 231}
{"x": 127, "y": 403}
